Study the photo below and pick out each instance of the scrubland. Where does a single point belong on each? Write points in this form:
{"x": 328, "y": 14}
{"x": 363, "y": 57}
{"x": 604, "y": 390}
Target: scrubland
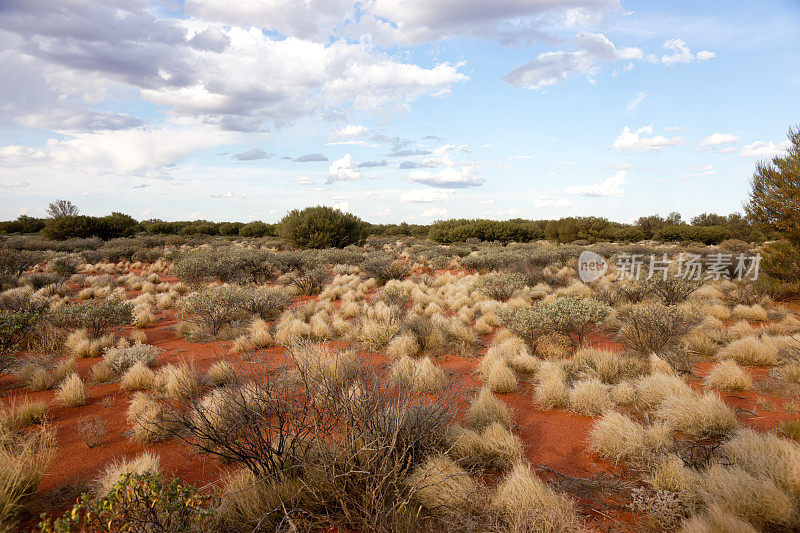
{"x": 398, "y": 385}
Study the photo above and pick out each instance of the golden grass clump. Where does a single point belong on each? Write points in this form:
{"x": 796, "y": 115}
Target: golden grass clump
{"x": 551, "y": 390}
{"x": 101, "y": 372}
{"x": 137, "y": 337}
{"x": 439, "y": 483}
{"x": 589, "y": 397}
{"x": 401, "y": 373}
{"x": 525, "y": 503}
{"x": 71, "y": 392}
{"x": 671, "y": 474}
{"x": 620, "y": 439}
{"x": 500, "y": 448}
{"x": 716, "y": 520}
{"x": 428, "y": 378}
{"x": 754, "y": 351}
{"x": 465, "y": 445}
{"x": 64, "y": 368}
{"x": 401, "y": 345}
{"x": 18, "y": 416}
{"x": 755, "y": 499}
{"x": 729, "y": 376}
{"x": 221, "y": 373}
{"x": 524, "y": 363}
{"x": 553, "y": 346}
{"x": 291, "y": 331}
{"x": 138, "y": 377}
{"x": 765, "y": 454}
{"x": 501, "y": 378}
{"x": 623, "y": 393}
{"x": 741, "y": 329}
{"x": 113, "y": 472}
{"x": 148, "y": 419}
{"x": 653, "y": 389}
{"x": 754, "y": 313}
{"x": 24, "y": 460}
{"x": 36, "y": 377}
{"x": 696, "y": 414}
{"x": 486, "y": 408}
{"x": 607, "y": 366}
{"x": 258, "y": 504}
{"x": 178, "y": 381}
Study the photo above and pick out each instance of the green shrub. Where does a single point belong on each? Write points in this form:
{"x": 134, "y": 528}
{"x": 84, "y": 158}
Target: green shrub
{"x": 653, "y": 327}
{"x": 671, "y": 290}
{"x": 384, "y": 268}
{"x": 321, "y": 227}
{"x": 257, "y": 229}
{"x": 780, "y": 260}
{"x": 501, "y": 286}
{"x": 15, "y": 262}
{"x": 15, "y": 327}
{"x": 266, "y": 302}
{"x": 309, "y": 282}
{"x": 96, "y": 316}
{"x": 215, "y": 307}
{"x": 121, "y": 359}
{"x": 138, "y": 502}
{"x": 567, "y": 315}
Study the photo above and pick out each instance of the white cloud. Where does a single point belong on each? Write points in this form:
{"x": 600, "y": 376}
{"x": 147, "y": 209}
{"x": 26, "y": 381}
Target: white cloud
{"x": 609, "y": 187}
{"x": 549, "y": 201}
{"x": 551, "y": 68}
{"x": 763, "y": 149}
{"x": 448, "y": 178}
{"x": 635, "y": 141}
{"x": 343, "y": 169}
{"x": 121, "y": 151}
{"x": 718, "y": 139}
{"x": 229, "y": 195}
{"x": 680, "y": 53}
{"x": 638, "y": 99}
{"x": 435, "y": 212}
{"x": 425, "y": 196}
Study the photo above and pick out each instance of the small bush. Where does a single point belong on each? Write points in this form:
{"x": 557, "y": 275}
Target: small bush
{"x": 213, "y": 308}
{"x": 501, "y": 286}
{"x": 267, "y": 302}
{"x": 653, "y": 328}
{"x": 96, "y": 316}
{"x": 385, "y": 268}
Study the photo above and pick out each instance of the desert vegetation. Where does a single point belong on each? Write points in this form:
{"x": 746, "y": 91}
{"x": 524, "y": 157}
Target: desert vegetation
{"x": 328, "y": 374}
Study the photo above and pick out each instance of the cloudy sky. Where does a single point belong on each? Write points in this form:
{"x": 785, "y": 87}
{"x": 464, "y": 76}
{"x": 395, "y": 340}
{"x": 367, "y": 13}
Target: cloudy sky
{"x": 392, "y": 109}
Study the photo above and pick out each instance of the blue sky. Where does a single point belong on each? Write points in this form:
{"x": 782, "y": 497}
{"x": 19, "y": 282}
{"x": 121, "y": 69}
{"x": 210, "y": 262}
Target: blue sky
{"x": 394, "y": 110}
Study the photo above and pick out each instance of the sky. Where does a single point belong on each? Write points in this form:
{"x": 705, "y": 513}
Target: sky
{"x": 404, "y": 110}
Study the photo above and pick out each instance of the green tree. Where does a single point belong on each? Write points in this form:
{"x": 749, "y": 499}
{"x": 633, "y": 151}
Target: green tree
{"x": 775, "y": 195}
{"x": 321, "y": 227}
{"x": 61, "y": 209}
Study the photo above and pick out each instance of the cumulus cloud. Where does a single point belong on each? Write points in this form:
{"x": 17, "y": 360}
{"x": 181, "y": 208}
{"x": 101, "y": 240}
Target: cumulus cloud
{"x": 425, "y": 196}
{"x": 510, "y": 22}
{"x": 763, "y": 149}
{"x": 549, "y": 201}
{"x": 308, "y": 158}
{"x": 637, "y": 141}
{"x": 372, "y": 164}
{"x": 251, "y": 155}
{"x": 229, "y": 195}
{"x": 343, "y": 170}
{"x": 679, "y": 52}
{"x": 718, "y": 139}
{"x": 550, "y": 68}
{"x": 448, "y": 178}
{"x": 609, "y": 187}
{"x": 236, "y": 77}
{"x": 361, "y": 135}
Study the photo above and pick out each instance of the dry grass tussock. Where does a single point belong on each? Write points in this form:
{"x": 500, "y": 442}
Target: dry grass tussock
{"x": 16, "y": 416}
{"x": 71, "y": 392}
{"x": 222, "y": 373}
{"x": 525, "y": 503}
{"x": 754, "y": 313}
{"x": 729, "y": 376}
{"x": 756, "y": 499}
{"x": 755, "y": 351}
{"x": 499, "y": 448}
{"x": 501, "y": 378}
{"x": 138, "y": 378}
{"x": 145, "y": 462}
{"x": 696, "y": 414}
{"x": 79, "y": 344}
{"x": 589, "y": 397}
{"x": 620, "y": 439}
{"x": 767, "y": 455}
{"x": 716, "y": 520}
{"x": 551, "y": 389}
{"x": 653, "y": 389}
{"x": 24, "y": 460}
{"x": 258, "y": 504}
{"x": 178, "y": 381}
{"x": 419, "y": 375}
{"x": 148, "y": 418}
{"x": 486, "y": 409}
{"x": 439, "y": 483}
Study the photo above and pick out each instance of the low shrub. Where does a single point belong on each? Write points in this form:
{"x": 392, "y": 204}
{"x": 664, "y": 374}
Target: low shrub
{"x": 214, "y": 307}
{"x": 96, "y": 316}
{"x": 320, "y": 227}
{"x": 121, "y": 359}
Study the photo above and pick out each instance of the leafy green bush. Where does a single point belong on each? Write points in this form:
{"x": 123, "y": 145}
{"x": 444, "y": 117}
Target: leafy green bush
{"x": 139, "y": 502}
{"x": 385, "y": 267}
{"x": 309, "y": 282}
{"x": 215, "y": 307}
{"x": 15, "y": 327}
{"x": 63, "y": 265}
{"x": 567, "y": 315}
{"x": 501, "y": 286}
{"x": 256, "y": 229}
{"x": 121, "y": 359}
{"x": 15, "y": 262}
{"x": 780, "y": 260}
{"x": 266, "y": 302}
{"x": 321, "y": 227}
{"x": 97, "y": 316}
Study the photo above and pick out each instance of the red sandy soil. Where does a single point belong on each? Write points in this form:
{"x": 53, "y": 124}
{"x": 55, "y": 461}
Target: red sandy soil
{"x": 555, "y": 441}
